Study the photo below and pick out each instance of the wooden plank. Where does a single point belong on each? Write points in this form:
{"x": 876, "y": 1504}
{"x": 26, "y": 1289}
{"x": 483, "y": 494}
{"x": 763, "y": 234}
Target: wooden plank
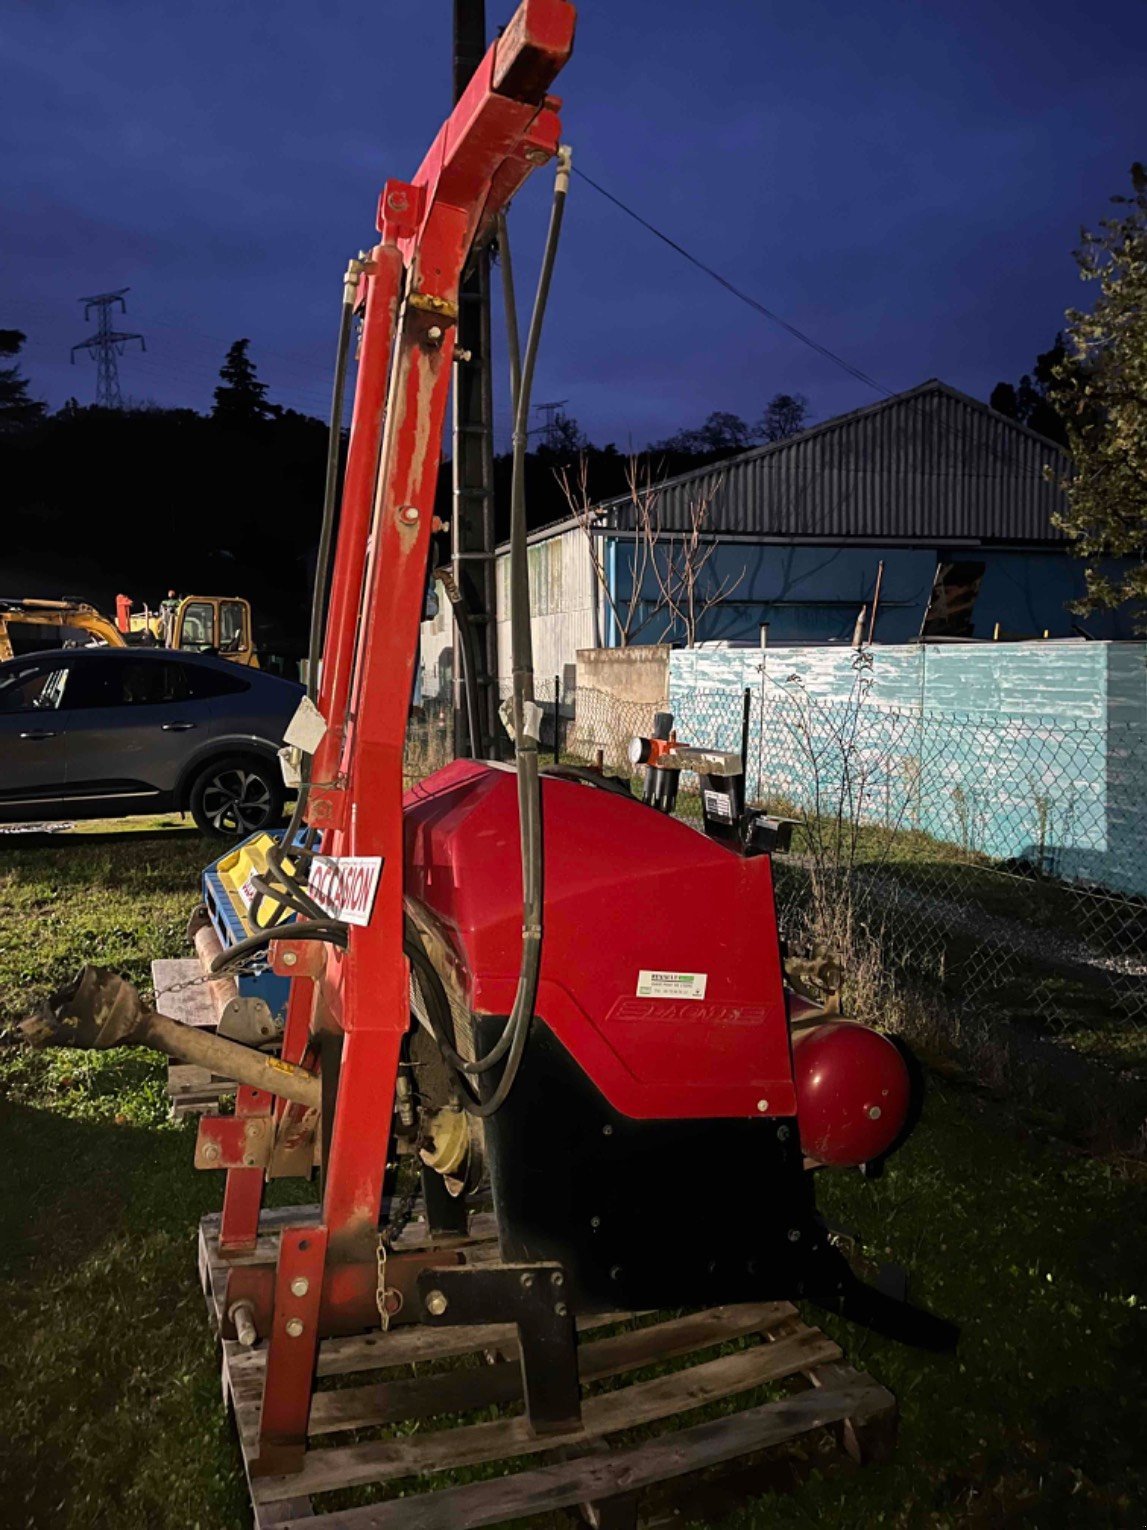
{"x": 178, "y": 996}
{"x": 273, "y": 1219}
{"x": 642, "y": 1403}
{"x": 408, "y": 1345}
{"x": 587, "y": 1479}
{"x": 190, "y": 1079}
{"x": 870, "y": 1436}
{"x": 461, "y": 1390}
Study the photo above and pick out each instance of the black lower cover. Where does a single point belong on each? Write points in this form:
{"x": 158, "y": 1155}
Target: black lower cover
{"x": 646, "y": 1213}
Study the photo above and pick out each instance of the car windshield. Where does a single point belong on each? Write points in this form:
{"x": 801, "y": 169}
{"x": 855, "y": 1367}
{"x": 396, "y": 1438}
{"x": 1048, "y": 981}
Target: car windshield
{"x": 32, "y": 690}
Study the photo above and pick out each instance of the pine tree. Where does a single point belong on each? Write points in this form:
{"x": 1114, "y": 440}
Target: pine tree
{"x": 1100, "y": 390}
{"x": 1032, "y": 400}
{"x": 17, "y": 410}
{"x": 241, "y": 397}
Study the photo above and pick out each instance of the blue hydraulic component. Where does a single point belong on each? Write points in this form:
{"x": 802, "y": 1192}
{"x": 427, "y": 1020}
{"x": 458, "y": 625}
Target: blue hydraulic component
{"x": 227, "y": 896}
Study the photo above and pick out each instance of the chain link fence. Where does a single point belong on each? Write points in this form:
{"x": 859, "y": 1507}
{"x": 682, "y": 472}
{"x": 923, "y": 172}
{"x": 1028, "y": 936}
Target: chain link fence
{"x": 998, "y": 861}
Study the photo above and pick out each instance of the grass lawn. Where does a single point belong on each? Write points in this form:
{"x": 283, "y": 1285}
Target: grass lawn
{"x": 113, "y": 1416}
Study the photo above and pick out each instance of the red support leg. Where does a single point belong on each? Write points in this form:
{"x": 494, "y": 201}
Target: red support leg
{"x": 359, "y": 1142}
{"x": 291, "y": 1353}
{"x": 243, "y": 1197}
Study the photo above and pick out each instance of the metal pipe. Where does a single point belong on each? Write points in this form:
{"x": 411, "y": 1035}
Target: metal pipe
{"x": 101, "y": 1009}
{"x": 875, "y": 602}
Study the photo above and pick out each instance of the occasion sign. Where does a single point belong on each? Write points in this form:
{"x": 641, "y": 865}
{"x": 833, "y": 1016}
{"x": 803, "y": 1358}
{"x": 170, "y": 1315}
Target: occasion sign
{"x": 344, "y": 886}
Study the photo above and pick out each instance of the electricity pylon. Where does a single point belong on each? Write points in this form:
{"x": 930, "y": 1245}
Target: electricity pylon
{"x": 108, "y": 344}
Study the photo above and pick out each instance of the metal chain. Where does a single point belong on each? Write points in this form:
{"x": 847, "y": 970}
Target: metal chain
{"x": 244, "y": 967}
{"x": 396, "y": 1225}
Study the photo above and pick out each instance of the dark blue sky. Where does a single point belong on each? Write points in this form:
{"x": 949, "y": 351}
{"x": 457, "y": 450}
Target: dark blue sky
{"x": 904, "y": 181}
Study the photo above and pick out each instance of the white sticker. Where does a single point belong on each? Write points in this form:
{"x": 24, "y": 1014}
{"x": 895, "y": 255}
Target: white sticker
{"x": 671, "y": 985}
{"x": 344, "y": 886}
{"x": 247, "y": 891}
{"x": 305, "y": 730}
{"x": 718, "y": 805}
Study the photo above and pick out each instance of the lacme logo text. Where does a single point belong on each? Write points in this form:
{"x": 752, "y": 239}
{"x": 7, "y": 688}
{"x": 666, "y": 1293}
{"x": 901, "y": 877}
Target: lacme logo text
{"x": 695, "y": 1011}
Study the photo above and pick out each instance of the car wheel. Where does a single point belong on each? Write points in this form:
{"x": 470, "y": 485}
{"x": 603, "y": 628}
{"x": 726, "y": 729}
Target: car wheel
{"x": 235, "y": 797}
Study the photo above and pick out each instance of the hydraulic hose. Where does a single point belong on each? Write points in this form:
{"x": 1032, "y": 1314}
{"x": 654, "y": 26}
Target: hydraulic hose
{"x": 524, "y": 708}
{"x": 302, "y": 901}
{"x": 509, "y": 303}
{"x": 331, "y": 930}
{"x": 331, "y": 482}
{"x": 438, "y": 1010}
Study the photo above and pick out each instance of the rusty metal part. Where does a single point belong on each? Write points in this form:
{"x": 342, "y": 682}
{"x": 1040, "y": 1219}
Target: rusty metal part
{"x": 294, "y": 1152}
{"x": 234, "y": 1142}
{"x": 101, "y": 1009}
{"x": 349, "y": 1297}
{"x": 207, "y": 947}
{"x": 448, "y": 1141}
{"x": 249, "y": 1022}
{"x": 817, "y": 977}
{"x": 242, "y": 1317}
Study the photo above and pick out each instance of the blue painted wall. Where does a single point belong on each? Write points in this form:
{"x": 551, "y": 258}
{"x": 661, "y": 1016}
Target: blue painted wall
{"x": 811, "y": 594}
{"x": 1034, "y": 751}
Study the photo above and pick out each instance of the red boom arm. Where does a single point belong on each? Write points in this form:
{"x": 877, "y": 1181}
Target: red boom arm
{"x": 504, "y": 126}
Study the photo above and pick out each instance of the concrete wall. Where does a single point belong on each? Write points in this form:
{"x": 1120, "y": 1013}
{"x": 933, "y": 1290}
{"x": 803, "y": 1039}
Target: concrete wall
{"x": 627, "y": 674}
{"x": 1033, "y": 751}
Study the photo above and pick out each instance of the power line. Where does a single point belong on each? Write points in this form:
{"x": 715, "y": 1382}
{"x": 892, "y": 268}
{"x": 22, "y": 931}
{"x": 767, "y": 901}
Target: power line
{"x": 956, "y": 432}
{"x": 745, "y": 297}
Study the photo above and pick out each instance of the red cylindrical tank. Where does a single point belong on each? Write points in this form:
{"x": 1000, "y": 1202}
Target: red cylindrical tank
{"x": 853, "y": 1092}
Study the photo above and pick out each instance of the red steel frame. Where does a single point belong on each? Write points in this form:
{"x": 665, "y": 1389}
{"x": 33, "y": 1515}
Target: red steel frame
{"x": 503, "y": 126}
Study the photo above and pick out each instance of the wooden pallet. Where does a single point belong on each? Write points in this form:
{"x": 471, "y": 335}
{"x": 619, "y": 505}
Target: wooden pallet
{"x": 392, "y": 1385}
{"x": 191, "y": 1090}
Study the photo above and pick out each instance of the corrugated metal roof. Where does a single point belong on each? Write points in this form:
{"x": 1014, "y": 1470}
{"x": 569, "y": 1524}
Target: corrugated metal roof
{"x": 928, "y": 465}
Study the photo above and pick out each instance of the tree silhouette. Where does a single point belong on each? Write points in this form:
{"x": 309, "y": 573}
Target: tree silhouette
{"x": 17, "y": 410}
{"x": 1031, "y": 401}
{"x": 721, "y": 432}
{"x": 241, "y": 398}
{"x": 786, "y": 414}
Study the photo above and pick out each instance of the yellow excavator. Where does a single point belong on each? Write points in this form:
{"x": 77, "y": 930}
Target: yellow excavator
{"x": 29, "y": 624}
{"x": 196, "y": 623}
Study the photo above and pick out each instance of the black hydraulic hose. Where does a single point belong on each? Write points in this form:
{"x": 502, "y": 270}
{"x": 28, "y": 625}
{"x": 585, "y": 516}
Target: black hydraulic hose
{"x": 524, "y": 706}
{"x": 438, "y": 1011}
{"x": 509, "y": 304}
{"x": 437, "y": 1007}
{"x": 331, "y": 482}
{"x": 277, "y": 852}
{"x": 330, "y": 930}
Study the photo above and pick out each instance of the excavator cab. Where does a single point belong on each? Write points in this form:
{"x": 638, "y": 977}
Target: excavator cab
{"x": 219, "y": 624}
{"x": 215, "y": 624}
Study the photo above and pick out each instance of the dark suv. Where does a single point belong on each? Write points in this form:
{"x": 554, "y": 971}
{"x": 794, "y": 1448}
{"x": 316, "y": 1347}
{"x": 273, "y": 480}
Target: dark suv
{"x": 100, "y": 732}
